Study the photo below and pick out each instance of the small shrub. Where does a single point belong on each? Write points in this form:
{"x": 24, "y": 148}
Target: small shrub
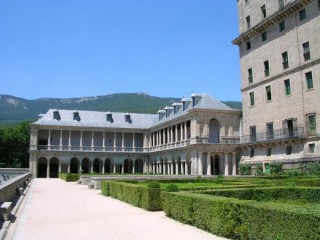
{"x": 153, "y": 184}
{"x": 245, "y": 169}
{"x": 276, "y": 168}
{"x": 172, "y": 188}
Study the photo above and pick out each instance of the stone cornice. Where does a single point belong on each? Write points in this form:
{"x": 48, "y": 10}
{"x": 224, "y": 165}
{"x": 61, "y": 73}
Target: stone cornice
{"x": 277, "y": 17}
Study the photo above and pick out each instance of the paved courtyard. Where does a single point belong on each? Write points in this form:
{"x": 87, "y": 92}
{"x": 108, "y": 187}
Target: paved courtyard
{"x": 54, "y": 209}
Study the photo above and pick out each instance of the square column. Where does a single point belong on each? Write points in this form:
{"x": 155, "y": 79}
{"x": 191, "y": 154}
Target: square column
{"x": 200, "y": 163}
{"x": 48, "y": 168}
{"x": 69, "y": 140}
{"x": 177, "y": 168}
{"x": 226, "y": 164}
{"x": 114, "y": 141}
{"x": 182, "y": 167}
{"x": 186, "y": 168}
{"x": 208, "y": 163}
{"x": 185, "y": 131}
{"x": 92, "y": 140}
{"x": 234, "y": 164}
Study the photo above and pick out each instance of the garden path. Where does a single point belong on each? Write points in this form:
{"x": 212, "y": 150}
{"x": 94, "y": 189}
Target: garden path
{"x": 54, "y": 209}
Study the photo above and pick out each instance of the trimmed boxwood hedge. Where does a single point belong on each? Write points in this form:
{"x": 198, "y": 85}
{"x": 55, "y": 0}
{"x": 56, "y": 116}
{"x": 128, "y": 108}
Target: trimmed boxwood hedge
{"x": 69, "y": 177}
{"x": 304, "y": 194}
{"x": 137, "y": 195}
{"x": 240, "y": 219}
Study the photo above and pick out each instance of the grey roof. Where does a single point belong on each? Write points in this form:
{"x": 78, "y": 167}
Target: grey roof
{"x": 138, "y": 120}
{"x": 98, "y": 119}
{"x": 208, "y": 102}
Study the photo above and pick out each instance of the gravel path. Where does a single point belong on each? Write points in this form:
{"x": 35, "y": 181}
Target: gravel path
{"x": 54, "y": 209}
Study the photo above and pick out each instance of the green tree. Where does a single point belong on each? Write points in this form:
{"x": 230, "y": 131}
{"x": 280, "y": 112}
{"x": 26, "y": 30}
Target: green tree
{"x": 14, "y": 146}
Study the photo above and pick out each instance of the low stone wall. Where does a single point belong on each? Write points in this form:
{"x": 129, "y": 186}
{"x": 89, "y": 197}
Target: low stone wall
{"x": 10, "y": 188}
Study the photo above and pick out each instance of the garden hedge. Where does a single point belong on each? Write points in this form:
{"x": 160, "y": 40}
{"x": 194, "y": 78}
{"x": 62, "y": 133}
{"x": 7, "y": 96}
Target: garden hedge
{"x": 302, "y": 194}
{"x": 69, "y": 177}
{"x": 137, "y": 195}
{"x": 240, "y": 219}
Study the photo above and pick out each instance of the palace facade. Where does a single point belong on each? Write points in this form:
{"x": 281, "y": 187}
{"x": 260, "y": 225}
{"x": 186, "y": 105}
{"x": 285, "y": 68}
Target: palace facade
{"x": 198, "y": 135}
{"x": 280, "y": 71}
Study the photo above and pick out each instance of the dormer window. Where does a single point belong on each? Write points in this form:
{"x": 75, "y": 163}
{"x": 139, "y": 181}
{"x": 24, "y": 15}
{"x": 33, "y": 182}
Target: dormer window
{"x": 184, "y": 106}
{"x": 56, "y": 115}
{"x": 195, "y": 99}
{"x": 128, "y": 118}
{"x": 76, "y": 116}
{"x": 109, "y": 118}
{"x": 161, "y": 113}
{"x": 176, "y": 107}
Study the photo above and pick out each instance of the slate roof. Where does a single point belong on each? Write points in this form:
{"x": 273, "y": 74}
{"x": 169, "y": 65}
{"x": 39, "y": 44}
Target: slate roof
{"x": 138, "y": 120}
{"x": 98, "y": 119}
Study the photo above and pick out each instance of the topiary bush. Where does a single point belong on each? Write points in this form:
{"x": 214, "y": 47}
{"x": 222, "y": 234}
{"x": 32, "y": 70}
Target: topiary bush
{"x": 172, "y": 188}
{"x": 245, "y": 169}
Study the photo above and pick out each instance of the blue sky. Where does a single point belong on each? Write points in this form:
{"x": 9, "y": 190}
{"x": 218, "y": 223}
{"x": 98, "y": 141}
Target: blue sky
{"x": 75, "y": 48}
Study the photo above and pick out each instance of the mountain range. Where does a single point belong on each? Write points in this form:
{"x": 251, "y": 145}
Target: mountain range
{"x": 14, "y": 109}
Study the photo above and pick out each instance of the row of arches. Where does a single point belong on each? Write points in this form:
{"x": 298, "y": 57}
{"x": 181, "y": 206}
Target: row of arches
{"x": 50, "y": 168}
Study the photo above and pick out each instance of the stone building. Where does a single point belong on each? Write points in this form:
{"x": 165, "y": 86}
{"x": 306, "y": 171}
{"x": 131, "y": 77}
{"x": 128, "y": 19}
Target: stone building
{"x": 198, "y": 135}
{"x": 279, "y": 47}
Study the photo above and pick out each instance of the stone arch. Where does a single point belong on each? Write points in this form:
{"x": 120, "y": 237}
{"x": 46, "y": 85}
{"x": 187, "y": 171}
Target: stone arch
{"x": 138, "y": 166}
{"x": 215, "y": 164}
{"x": 127, "y": 166}
{"x": 108, "y": 164}
{"x": 42, "y": 166}
{"x": 85, "y": 165}
{"x": 54, "y": 168}
{"x": 214, "y": 131}
{"x": 97, "y": 165}
{"x": 74, "y": 165}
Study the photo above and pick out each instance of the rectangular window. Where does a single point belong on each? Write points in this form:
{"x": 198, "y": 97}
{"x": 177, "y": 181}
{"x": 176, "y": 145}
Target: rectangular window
{"x": 269, "y": 152}
{"x": 266, "y": 68}
{"x": 251, "y": 95}
{"x": 264, "y": 36}
{"x": 312, "y": 125}
{"x": 264, "y": 11}
{"x": 250, "y": 76}
{"x": 302, "y": 15}
{"x": 309, "y": 80}
{"x": 282, "y": 26}
{"x": 270, "y": 130}
{"x": 248, "y": 45}
{"x": 248, "y": 21}
{"x": 281, "y": 4}
{"x": 311, "y": 147}
{"x": 285, "y": 60}
{"x": 253, "y": 134}
{"x": 319, "y": 5}
{"x": 287, "y": 87}
{"x": 268, "y": 93}
{"x": 306, "y": 51}
{"x": 288, "y": 150}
